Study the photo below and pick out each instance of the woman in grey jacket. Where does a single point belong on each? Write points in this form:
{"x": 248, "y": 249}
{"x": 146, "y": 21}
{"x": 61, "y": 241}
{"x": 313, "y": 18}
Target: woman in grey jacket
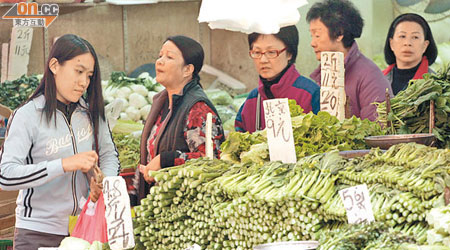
{"x": 52, "y": 140}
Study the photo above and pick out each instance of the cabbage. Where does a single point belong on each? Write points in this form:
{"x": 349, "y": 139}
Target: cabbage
{"x": 137, "y": 101}
{"x": 73, "y": 243}
{"x": 123, "y": 92}
{"x": 96, "y": 245}
{"x": 219, "y": 97}
{"x": 225, "y": 113}
{"x": 158, "y": 87}
{"x": 150, "y": 96}
{"x": 144, "y": 111}
{"x": 140, "y": 89}
{"x": 133, "y": 113}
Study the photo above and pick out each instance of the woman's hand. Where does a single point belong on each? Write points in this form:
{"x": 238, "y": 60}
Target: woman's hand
{"x": 154, "y": 165}
{"x": 81, "y": 161}
{"x": 96, "y": 189}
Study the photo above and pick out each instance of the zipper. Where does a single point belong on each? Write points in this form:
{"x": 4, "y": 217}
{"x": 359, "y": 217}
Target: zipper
{"x": 74, "y": 174}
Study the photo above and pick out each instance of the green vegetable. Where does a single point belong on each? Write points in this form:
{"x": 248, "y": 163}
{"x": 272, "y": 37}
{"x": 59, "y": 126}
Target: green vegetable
{"x": 129, "y": 150}
{"x": 14, "y": 93}
{"x": 73, "y": 243}
{"x": 120, "y": 79}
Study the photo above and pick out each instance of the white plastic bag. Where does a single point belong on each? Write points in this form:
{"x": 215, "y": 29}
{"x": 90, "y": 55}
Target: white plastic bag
{"x": 262, "y": 16}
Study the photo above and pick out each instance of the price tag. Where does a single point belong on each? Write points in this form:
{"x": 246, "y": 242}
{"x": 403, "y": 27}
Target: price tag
{"x": 194, "y": 247}
{"x": 4, "y": 72}
{"x": 19, "y": 52}
{"x": 332, "y": 92}
{"x": 118, "y": 213}
{"x": 279, "y": 130}
{"x": 357, "y": 204}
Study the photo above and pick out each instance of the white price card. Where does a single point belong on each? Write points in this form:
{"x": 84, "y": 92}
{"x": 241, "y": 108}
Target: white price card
{"x": 332, "y": 92}
{"x": 356, "y": 201}
{"x": 19, "y": 52}
{"x": 118, "y": 213}
{"x": 279, "y": 130}
{"x": 194, "y": 247}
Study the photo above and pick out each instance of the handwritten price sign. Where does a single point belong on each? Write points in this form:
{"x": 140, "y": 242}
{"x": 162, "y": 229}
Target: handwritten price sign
{"x": 332, "y": 92}
{"x": 118, "y": 213}
{"x": 357, "y": 204}
{"x": 279, "y": 130}
{"x": 19, "y": 51}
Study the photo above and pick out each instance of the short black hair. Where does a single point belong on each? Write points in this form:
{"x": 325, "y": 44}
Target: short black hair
{"x": 288, "y": 35}
{"x": 431, "y": 52}
{"x": 341, "y": 18}
{"x": 191, "y": 50}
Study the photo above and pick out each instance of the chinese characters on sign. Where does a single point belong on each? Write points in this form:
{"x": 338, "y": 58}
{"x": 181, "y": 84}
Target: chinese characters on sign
{"x": 118, "y": 213}
{"x": 19, "y": 52}
{"x": 357, "y": 204}
{"x": 332, "y": 92}
{"x": 279, "y": 130}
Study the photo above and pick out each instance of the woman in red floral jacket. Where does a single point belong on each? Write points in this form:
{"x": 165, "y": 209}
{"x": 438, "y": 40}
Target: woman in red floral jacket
{"x": 174, "y": 131}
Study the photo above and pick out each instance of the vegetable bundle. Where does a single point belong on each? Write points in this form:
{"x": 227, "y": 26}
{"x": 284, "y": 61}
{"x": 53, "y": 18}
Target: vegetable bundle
{"x": 13, "y": 93}
{"x": 128, "y": 148}
{"x": 222, "y": 206}
{"x": 410, "y": 108}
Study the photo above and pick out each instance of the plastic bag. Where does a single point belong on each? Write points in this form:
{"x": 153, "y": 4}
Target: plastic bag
{"x": 250, "y": 15}
{"x": 91, "y": 223}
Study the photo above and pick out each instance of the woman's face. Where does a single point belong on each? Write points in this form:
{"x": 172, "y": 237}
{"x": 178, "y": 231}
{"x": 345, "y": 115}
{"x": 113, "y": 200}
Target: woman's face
{"x": 72, "y": 77}
{"x": 408, "y": 44}
{"x": 270, "y": 68}
{"x": 320, "y": 38}
{"x": 170, "y": 66}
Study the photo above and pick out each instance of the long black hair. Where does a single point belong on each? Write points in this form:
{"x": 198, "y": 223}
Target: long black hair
{"x": 64, "y": 49}
{"x": 430, "y": 53}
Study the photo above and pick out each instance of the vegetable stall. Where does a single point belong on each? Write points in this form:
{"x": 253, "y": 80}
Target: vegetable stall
{"x": 244, "y": 200}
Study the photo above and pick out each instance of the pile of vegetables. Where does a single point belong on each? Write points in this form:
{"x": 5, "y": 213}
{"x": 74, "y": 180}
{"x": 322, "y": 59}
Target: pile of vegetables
{"x": 73, "y": 243}
{"x": 439, "y": 221}
{"x": 410, "y": 108}
{"x": 135, "y": 94}
{"x": 219, "y": 205}
{"x": 363, "y": 237}
{"x": 226, "y": 106}
{"x": 128, "y": 147}
{"x": 312, "y": 134}
{"x": 13, "y": 93}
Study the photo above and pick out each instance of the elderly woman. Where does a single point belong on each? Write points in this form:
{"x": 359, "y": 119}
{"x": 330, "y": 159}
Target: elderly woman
{"x": 274, "y": 57}
{"x": 409, "y": 50}
{"x": 174, "y": 131}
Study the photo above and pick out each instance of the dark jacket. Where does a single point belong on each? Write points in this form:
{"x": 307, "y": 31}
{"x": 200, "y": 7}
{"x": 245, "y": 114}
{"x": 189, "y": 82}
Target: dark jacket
{"x": 423, "y": 68}
{"x": 171, "y": 134}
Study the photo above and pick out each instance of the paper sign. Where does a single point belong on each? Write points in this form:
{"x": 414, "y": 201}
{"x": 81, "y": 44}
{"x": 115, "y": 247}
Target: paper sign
{"x": 332, "y": 92}
{"x": 357, "y": 204}
{"x": 19, "y": 52}
{"x": 279, "y": 130}
{"x": 194, "y": 247}
{"x": 4, "y": 69}
{"x": 118, "y": 213}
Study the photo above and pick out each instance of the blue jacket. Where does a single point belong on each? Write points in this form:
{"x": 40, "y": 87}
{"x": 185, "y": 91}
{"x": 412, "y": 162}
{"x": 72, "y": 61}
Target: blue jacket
{"x": 31, "y": 161}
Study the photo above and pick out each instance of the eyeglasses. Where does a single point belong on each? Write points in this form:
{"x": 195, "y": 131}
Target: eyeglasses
{"x": 270, "y": 54}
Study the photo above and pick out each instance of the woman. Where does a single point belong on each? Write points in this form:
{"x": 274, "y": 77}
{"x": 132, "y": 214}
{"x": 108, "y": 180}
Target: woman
{"x": 274, "y": 57}
{"x": 52, "y": 139}
{"x": 409, "y": 50}
{"x": 174, "y": 130}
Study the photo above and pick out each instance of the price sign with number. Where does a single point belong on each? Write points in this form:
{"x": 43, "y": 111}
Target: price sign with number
{"x": 279, "y": 130}
{"x": 357, "y": 204}
{"x": 332, "y": 92}
{"x": 118, "y": 213}
{"x": 19, "y": 51}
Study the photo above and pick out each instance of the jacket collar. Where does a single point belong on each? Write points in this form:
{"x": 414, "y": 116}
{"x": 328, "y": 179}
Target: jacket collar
{"x": 39, "y": 102}
{"x": 352, "y": 56}
{"x": 423, "y": 68}
{"x": 176, "y": 98}
{"x": 278, "y": 89}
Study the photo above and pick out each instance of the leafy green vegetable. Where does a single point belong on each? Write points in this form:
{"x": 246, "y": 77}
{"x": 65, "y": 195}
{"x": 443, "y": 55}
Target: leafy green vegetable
{"x": 13, "y": 93}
